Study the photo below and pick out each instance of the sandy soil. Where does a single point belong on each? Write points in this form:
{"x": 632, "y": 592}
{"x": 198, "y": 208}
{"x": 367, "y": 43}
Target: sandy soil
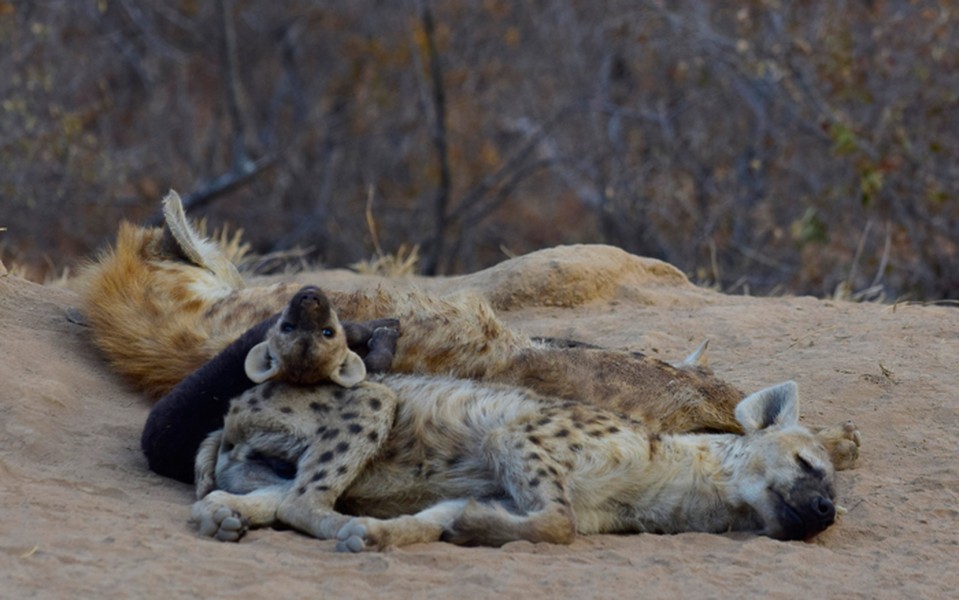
{"x": 81, "y": 517}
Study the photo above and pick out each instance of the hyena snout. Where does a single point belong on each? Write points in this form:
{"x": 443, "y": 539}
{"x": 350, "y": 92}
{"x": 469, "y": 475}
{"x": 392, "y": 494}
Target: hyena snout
{"x": 309, "y": 308}
{"x": 804, "y": 518}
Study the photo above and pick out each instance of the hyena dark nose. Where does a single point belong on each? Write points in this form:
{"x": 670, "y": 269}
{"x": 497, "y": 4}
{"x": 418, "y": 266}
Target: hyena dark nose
{"x": 309, "y": 295}
{"x": 823, "y": 509}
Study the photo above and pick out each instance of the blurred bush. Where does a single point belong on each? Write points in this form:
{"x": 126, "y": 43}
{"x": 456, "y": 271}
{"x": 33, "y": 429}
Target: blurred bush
{"x": 760, "y": 146}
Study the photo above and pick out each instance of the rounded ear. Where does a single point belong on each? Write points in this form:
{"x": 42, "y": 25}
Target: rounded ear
{"x": 260, "y": 364}
{"x": 776, "y": 405}
{"x": 350, "y": 372}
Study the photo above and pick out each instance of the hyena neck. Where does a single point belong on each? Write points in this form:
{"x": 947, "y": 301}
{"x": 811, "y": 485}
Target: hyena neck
{"x": 695, "y": 487}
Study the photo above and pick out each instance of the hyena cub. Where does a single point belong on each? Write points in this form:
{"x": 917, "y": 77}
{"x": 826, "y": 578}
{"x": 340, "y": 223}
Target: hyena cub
{"x": 306, "y": 346}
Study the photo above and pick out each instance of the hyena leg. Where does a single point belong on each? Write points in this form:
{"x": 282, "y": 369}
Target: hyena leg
{"x": 331, "y": 463}
{"x": 842, "y": 442}
{"x": 536, "y": 484}
{"x": 227, "y": 517}
{"x": 363, "y": 533}
{"x": 205, "y": 464}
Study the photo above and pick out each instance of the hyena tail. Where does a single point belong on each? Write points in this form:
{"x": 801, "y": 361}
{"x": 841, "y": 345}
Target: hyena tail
{"x": 147, "y": 302}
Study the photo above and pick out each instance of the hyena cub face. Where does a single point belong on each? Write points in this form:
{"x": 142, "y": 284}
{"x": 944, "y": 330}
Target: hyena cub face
{"x": 306, "y": 346}
{"x": 784, "y": 471}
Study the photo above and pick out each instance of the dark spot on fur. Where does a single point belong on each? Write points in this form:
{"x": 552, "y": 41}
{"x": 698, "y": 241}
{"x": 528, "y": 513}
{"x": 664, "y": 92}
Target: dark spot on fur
{"x": 552, "y": 470}
{"x": 597, "y": 433}
{"x": 612, "y": 429}
{"x": 541, "y": 472}
{"x": 320, "y": 429}
{"x": 286, "y": 410}
{"x": 267, "y": 390}
{"x": 338, "y": 394}
{"x": 533, "y": 456}
{"x": 253, "y": 401}
{"x": 529, "y": 428}
{"x": 342, "y": 447}
{"x": 454, "y": 461}
{"x": 329, "y": 435}
{"x": 319, "y": 475}
{"x": 534, "y": 482}
{"x": 544, "y": 421}
{"x": 326, "y": 457}
{"x": 322, "y": 488}
{"x": 373, "y": 436}
{"x": 355, "y": 428}
{"x": 560, "y": 500}
{"x": 234, "y": 409}
{"x": 562, "y": 433}
{"x": 375, "y": 403}
{"x": 256, "y": 409}
{"x": 535, "y": 440}
{"x": 654, "y": 441}
{"x": 349, "y": 416}
{"x": 301, "y": 490}
{"x": 317, "y": 407}
{"x": 576, "y": 447}
{"x": 341, "y": 470}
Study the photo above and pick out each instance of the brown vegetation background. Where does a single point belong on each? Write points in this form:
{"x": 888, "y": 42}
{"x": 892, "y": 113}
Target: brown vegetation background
{"x": 759, "y": 146}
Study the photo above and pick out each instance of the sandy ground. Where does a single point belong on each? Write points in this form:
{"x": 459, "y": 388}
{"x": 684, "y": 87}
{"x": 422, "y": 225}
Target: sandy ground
{"x": 81, "y": 517}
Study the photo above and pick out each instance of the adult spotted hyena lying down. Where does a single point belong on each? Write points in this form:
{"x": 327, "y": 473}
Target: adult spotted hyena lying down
{"x": 166, "y": 300}
{"x": 431, "y": 458}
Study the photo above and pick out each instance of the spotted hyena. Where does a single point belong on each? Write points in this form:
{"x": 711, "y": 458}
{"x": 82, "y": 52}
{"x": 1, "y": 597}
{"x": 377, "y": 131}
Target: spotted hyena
{"x": 476, "y": 463}
{"x": 164, "y": 301}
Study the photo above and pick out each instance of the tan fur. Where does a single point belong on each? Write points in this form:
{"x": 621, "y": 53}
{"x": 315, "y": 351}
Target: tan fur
{"x": 483, "y": 464}
{"x": 159, "y": 311}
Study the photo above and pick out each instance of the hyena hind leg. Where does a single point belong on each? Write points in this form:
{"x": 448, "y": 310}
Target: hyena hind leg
{"x": 366, "y": 533}
{"x": 538, "y": 509}
{"x": 491, "y": 524}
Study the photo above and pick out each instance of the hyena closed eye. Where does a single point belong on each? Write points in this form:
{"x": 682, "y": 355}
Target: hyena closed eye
{"x": 300, "y": 424}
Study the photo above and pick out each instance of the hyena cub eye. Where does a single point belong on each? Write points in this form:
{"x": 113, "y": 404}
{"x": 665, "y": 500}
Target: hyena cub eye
{"x": 288, "y": 327}
{"x": 329, "y": 332}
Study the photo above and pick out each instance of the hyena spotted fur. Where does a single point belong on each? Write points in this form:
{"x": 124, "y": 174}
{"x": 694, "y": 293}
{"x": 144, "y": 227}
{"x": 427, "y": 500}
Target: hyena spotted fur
{"x": 165, "y": 300}
{"x": 426, "y": 458}
{"x": 306, "y": 346}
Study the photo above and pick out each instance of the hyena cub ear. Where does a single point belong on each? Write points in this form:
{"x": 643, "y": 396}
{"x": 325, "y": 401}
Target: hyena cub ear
{"x": 260, "y": 364}
{"x": 774, "y": 406}
{"x": 350, "y": 372}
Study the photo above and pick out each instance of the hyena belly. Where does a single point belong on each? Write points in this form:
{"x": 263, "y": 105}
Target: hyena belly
{"x": 438, "y": 446}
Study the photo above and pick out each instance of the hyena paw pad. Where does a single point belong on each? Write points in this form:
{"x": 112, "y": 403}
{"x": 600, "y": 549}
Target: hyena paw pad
{"x": 222, "y": 524}
{"x": 352, "y": 537}
{"x": 843, "y": 442}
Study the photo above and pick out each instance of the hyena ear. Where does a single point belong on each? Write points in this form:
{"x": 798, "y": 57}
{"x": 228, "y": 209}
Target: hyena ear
{"x": 698, "y": 358}
{"x": 776, "y": 405}
{"x": 350, "y": 372}
{"x": 260, "y": 364}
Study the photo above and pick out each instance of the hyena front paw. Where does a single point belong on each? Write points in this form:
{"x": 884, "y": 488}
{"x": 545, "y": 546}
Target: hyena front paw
{"x": 842, "y": 441}
{"x": 354, "y": 536}
{"x": 219, "y": 522}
